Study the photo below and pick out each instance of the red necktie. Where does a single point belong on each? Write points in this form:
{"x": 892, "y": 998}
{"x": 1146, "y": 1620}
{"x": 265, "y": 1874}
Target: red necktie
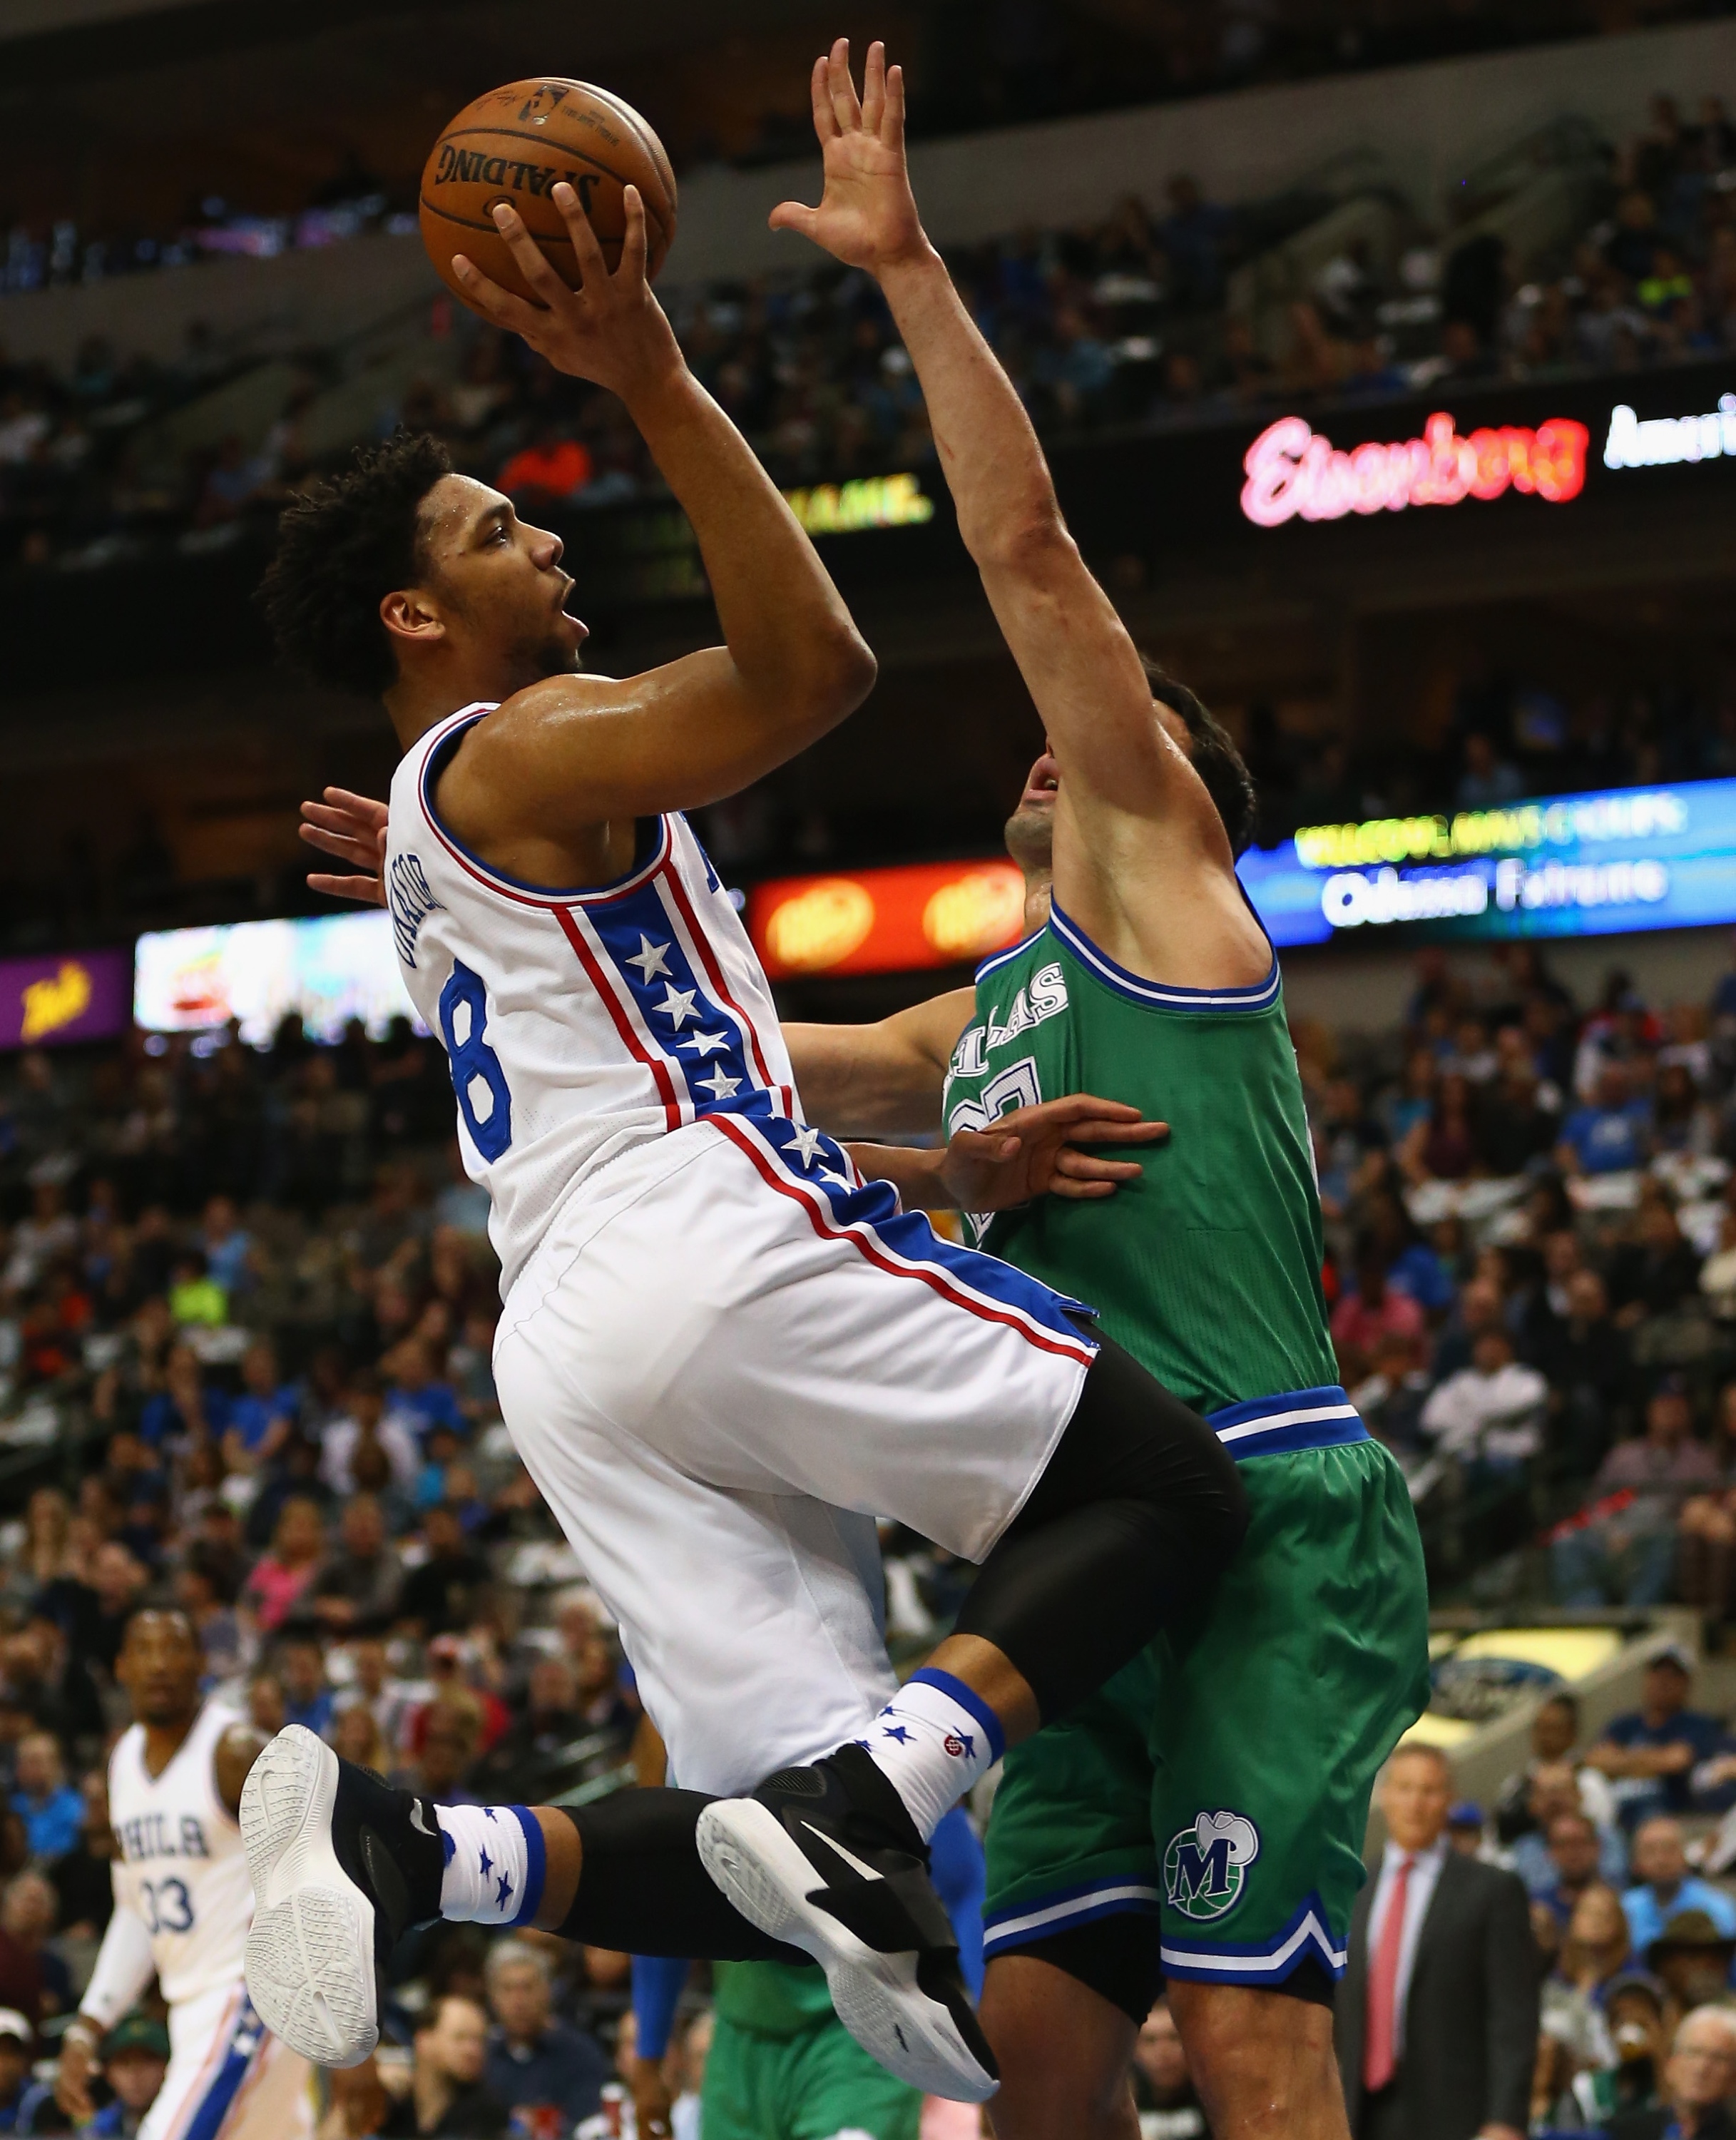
{"x": 1380, "y": 2042}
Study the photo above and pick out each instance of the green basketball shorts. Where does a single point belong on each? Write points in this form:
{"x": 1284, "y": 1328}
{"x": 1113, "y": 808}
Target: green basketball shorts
{"x": 1218, "y": 1785}
{"x": 818, "y": 2084}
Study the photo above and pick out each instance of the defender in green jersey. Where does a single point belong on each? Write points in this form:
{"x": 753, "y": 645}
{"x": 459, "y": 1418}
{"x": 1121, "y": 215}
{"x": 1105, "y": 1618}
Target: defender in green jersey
{"x": 1203, "y": 1815}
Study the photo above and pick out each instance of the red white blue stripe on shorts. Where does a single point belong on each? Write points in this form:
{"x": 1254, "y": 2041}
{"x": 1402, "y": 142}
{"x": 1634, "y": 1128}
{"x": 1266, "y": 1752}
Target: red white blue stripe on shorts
{"x": 232, "y": 2060}
{"x": 811, "y": 1167}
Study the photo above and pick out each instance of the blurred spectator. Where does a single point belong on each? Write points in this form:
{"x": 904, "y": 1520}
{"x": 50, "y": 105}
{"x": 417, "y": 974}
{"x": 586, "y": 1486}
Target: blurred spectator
{"x": 449, "y": 1588}
{"x": 536, "y": 2064}
{"x": 135, "y": 2058}
{"x": 1554, "y": 1735}
{"x": 281, "y": 1576}
{"x": 1700, "y": 2076}
{"x": 1163, "y": 2089}
{"x": 83, "y": 1875}
{"x": 1563, "y": 1856}
{"x": 49, "y": 1807}
{"x": 307, "y": 1696}
{"x": 19, "y": 2095}
{"x": 1691, "y": 1957}
{"x": 1489, "y": 1415}
{"x": 447, "y": 2094}
{"x": 1610, "y": 1135}
{"x": 362, "y": 1581}
{"x": 1595, "y": 1949}
{"x": 27, "y": 1914}
{"x": 1666, "y": 1889}
{"x": 1621, "y": 1548}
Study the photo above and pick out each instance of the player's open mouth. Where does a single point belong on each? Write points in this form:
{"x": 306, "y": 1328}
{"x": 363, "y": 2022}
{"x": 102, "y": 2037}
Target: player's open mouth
{"x": 1043, "y": 781}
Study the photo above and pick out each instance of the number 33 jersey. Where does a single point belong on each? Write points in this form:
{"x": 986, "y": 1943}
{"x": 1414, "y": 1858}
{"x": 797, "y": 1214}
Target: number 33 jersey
{"x": 578, "y": 1023}
{"x": 182, "y": 1869}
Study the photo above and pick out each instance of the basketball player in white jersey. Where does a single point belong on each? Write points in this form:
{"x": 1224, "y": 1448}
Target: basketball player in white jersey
{"x": 722, "y": 1352}
{"x": 182, "y": 1904}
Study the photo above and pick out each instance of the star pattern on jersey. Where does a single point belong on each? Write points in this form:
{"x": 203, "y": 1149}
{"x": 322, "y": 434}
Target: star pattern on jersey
{"x": 806, "y": 1143}
{"x": 652, "y": 960}
{"x": 488, "y": 1862}
{"x": 705, "y": 1043}
{"x": 900, "y": 1732}
{"x": 836, "y": 1181}
{"x": 720, "y": 1084}
{"x": 968, "y": 1745}
{"x": 678, "y": 1004}
{"x": 505, "y": 1889}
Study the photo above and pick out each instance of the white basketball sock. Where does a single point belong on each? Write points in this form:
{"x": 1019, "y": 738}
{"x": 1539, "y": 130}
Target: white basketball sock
{"x": 931, "y": 1741}
{"x": 494, "y": 1864}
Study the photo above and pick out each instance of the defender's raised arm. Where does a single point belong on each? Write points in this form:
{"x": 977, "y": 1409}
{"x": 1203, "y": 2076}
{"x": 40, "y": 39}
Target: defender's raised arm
{"x": 1133, "y": 820}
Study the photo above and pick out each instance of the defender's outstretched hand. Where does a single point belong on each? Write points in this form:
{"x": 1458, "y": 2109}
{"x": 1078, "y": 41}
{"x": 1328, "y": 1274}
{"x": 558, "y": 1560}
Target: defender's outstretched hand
{"x": 1035, "y": 1151}
{"x": 353, "y": 828}
{"x": 611, "y": 330}
{"x": 867, "y": 215}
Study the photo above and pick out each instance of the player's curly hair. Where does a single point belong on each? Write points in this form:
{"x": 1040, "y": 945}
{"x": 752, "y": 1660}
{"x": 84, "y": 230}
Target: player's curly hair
{"x": 346, "y": 542}
{"x": 1215, "y": 758}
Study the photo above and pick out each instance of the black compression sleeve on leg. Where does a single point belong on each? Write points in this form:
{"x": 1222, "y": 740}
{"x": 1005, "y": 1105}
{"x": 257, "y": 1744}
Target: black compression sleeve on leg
{"x": 642, "y": 1889}
{"x": 1138, "y": 1511}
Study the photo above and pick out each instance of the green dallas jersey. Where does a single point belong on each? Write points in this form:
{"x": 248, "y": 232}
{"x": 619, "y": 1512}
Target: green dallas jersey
{"x": 1207, "y": 1268}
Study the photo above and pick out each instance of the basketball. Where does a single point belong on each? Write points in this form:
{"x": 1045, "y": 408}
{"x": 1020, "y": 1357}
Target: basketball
{"x": 515, "y": 144}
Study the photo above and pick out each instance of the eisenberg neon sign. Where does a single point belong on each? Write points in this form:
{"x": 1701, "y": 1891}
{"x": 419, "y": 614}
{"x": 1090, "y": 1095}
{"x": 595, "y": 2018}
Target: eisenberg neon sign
{"x": 1293, "y": 473}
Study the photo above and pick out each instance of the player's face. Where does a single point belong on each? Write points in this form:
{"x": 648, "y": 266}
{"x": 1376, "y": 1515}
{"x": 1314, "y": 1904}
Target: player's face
{"x": 160, "y": 1666}
{"x": 498, "y": 585}
{"x": 1030, "y": 828}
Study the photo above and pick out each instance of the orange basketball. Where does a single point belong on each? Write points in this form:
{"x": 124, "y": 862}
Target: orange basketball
{"x": 515, "y": 144}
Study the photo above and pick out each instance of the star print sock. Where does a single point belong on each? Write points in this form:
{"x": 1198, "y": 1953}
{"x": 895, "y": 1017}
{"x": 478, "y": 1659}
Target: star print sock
{"x": 494, "y": 1864}
{"x": 931, "y": 1742}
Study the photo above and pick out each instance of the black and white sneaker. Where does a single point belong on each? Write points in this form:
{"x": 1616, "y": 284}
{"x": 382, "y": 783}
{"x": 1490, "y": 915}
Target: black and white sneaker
{"x": 341, "y": 1865}
{"x": 826, "y": 1859}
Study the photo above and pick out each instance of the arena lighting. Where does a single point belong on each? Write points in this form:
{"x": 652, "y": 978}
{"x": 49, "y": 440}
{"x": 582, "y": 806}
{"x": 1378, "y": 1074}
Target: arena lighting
{"x": 1568, "y": 865}
{"x": 326, "y": 970}
{"x": 869, "y": 501}
{"x": 886, "y": 921}
{"x": 1294, "y": 473}
{"x": 1661, "y": 441}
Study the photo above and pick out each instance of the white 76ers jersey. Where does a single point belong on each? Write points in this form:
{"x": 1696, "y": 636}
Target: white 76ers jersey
{"x": 578, "y": 1023}
{"x": 182, "y": 1867}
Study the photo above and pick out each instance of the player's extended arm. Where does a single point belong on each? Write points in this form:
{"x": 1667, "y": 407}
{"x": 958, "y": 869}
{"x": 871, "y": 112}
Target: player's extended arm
{"x": 124, "y": 1967}
{"x": 1122, "y": 774}
{"x": 880, "y": 1080}
{"x": 1030, "y": 1152}
{"x": 570, "y": 752}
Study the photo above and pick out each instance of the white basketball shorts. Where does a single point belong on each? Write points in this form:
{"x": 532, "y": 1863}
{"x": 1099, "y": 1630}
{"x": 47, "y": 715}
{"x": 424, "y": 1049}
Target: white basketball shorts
{"x": 228, "y": 2075}
{"x": 727, "y": 1357}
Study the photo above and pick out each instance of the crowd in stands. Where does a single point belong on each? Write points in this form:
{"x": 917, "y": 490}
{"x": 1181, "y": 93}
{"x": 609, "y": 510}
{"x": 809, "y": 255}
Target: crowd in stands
{"x": 246, "y": 1307}
{"x": 1125, "y": 322}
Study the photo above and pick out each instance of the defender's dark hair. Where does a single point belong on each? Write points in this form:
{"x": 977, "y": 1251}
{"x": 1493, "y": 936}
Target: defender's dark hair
{"x": 1215, "y": 756}
{"x": 342, "y": 546}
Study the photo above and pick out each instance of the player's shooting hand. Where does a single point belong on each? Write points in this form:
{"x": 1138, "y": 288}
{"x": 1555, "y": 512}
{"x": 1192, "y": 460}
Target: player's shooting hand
{"x": 652, "y": 2104}
{"x": 867, "y": 215}
{"x": 1036, "y": 1151}
{"x": 611, "y": 330}
{"x": 353, "y": 828}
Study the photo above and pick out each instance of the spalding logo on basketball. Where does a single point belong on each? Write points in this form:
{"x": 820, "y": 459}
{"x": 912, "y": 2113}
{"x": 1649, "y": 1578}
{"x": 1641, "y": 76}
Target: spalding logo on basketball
{"x": 515, "y": 144}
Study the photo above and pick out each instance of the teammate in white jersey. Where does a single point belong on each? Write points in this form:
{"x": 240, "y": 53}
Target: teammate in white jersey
{"x": 182, "y": 1904}
{"x": 723, "y": 1351}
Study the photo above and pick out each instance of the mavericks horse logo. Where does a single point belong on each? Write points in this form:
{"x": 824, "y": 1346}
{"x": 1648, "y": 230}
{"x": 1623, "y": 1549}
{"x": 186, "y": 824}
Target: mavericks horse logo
{"x": 1206, "y": 1866}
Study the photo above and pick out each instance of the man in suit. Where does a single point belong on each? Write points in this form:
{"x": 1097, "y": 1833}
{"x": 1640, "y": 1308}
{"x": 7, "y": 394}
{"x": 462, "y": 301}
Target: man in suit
{"x": 1437, "y": 2015}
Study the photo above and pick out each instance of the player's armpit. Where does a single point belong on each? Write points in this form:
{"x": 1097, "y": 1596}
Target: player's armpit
{"x": 881, "y": 1079}
{"x": 236, "y": 1752}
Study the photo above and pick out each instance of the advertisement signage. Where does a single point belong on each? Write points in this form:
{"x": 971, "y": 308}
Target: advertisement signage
{"x": 886, "y": 921}
{"x": 326, "y": 970}
{"x": 56, "y": 1001}
{"x": 1593, "y": 864}
{"x": 1294, "y": 472}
